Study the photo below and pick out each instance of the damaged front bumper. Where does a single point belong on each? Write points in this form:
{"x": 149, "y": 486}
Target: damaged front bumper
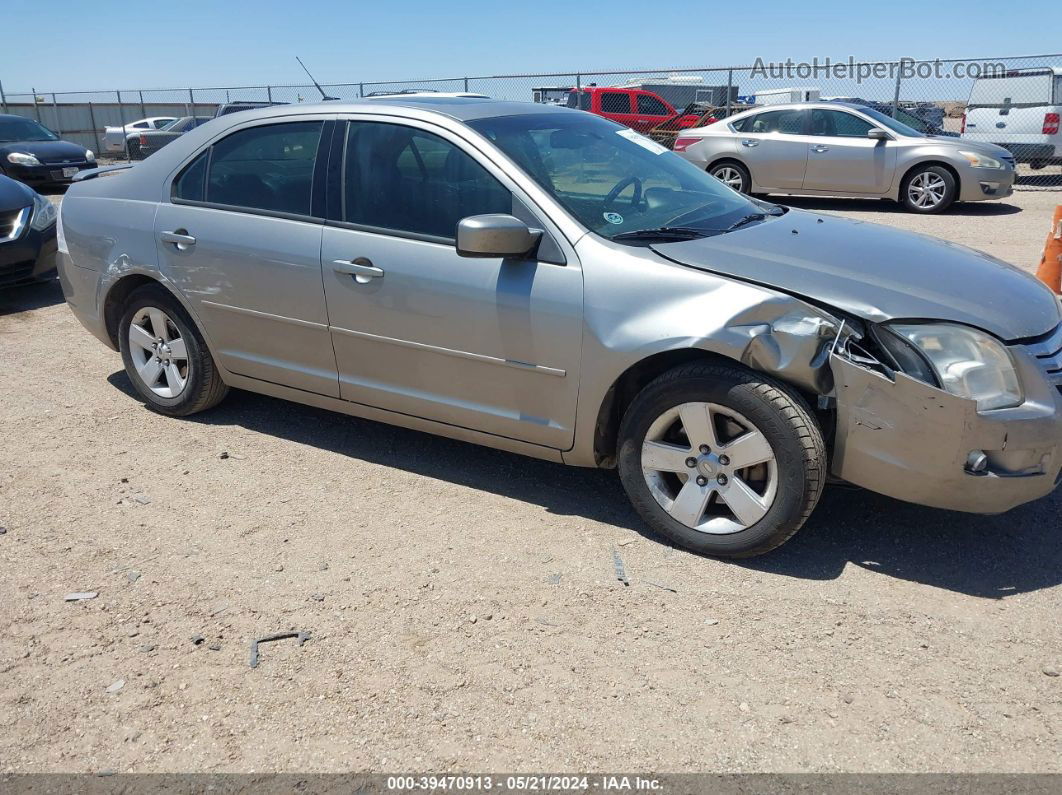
{"x": 909, "y": 440}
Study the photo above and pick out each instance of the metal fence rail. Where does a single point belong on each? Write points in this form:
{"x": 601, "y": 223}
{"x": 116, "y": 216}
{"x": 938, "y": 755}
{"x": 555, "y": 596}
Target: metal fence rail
{"x": 934, "y": 93}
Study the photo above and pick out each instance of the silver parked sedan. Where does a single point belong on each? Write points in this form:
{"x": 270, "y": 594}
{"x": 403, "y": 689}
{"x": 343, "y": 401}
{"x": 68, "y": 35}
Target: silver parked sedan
{"x": 544, "y": 281}
{"x": 838, "y": 149}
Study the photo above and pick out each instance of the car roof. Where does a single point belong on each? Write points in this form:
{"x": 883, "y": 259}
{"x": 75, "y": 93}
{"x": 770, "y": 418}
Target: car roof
{"x": 459, "y": 108}
{"x": 819, "y": 104}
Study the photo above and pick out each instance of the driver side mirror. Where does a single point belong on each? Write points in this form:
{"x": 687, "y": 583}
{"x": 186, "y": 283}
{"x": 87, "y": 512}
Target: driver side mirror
{"x": 495, "y": 235}
{"x": 878, "y": 134}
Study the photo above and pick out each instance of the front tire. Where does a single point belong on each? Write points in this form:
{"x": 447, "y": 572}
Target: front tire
{"x": 928, "y": 190}
{"x": 165, "y": 356}
{"x": 721, "y": 460}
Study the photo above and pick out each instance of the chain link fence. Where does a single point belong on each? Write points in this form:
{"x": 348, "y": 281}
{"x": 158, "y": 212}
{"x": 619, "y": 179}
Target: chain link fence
{"x": 1016, "y": 99}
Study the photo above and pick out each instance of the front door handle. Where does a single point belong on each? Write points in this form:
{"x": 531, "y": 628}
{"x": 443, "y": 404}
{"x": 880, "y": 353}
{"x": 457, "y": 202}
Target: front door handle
{"x": 361, "y": 269}
{"x": 180, "y": 238}
{"x": 749, "y": 142}
{"x": 820, "y": 148}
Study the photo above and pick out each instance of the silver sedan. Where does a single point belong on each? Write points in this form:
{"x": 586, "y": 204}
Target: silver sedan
{"x": 838, "y": 149}
{"x": 544, "y": 281}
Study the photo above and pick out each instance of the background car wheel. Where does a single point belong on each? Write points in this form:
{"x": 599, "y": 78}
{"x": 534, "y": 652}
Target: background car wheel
{"x": 928, "y": 190}
{"x": 721, "y": 460}
{"x": 733, "y": 175}
{"x": 165, "y": 356}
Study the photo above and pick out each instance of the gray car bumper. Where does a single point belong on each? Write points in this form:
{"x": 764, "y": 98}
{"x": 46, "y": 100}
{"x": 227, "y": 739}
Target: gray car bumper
{"x": 911, "y": 441}
{"x": 978, "y": 184}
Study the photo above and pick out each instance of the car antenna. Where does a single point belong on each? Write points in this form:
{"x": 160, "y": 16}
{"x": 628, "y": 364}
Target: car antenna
{"x": 324, "y": 96}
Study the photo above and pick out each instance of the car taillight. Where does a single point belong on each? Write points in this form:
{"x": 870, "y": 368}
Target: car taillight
{"x": 962, "y": 129}
{"x": 681, "y": 144}
{"x": 143, "y": 139}
{"x": 1050, "y": 124}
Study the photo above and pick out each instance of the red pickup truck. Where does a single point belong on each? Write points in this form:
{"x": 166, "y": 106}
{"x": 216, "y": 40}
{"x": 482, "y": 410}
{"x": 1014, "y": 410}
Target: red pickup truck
{"x": 638, "y": 109}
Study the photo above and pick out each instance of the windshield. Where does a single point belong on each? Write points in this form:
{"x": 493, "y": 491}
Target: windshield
{"x": 613, "y": 180}
{"x": 891, "y": 123}
{"x": 177, "y": 124}
{"x": 24, "y": 130}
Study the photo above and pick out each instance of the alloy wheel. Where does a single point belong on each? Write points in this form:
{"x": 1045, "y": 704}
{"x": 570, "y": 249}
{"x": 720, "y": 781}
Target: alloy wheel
{"x": 927, "y": 190}
{"x": 158, "y": 351}
{"x": 729, "y": 176}
{"x": 710, "y": 468}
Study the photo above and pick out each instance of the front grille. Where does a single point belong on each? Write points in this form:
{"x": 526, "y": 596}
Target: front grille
{"x": 1048, "y": 352}
{"x": 12, "y": 223}
{"x": 62, "y": 160}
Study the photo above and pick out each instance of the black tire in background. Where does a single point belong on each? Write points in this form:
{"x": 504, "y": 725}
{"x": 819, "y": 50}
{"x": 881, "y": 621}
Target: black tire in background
{"x": 727, "y": 170}
{"x": 932, "y": 175}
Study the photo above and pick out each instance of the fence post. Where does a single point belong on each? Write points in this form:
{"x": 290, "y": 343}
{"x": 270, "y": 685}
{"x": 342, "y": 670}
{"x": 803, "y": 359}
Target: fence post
{"x": 3, "y": 98}
{"x": 466, "y": 85}
{"x": 55, "y": 110}
{"x": 361, "y": 90}
{"x": 121, "y": 123}
{"x": 578, "y": 82}
{"x": 896, "y": 96}
{"x": 143, "y": 110}
{"x": 191, "y": 102}
{"x": 95, "y": 129}
{"x": 269, "y": 94}
{"x": 36, "y": 107}
{"x": 729, "y": 90}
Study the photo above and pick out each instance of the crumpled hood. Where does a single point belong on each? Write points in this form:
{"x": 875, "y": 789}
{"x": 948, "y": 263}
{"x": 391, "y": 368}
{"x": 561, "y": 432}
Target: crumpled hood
{"x": 877, "y": 273}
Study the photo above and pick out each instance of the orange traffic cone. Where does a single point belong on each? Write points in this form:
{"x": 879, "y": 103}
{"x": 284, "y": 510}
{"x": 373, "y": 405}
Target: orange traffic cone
{"x": 1050, "y": 271}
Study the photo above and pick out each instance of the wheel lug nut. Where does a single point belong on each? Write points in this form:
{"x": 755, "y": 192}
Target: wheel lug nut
{"x": 722, "y": 480}
{"x": 705, "y": 449}
{"x": 702, "y": 481}
{"x": 691, "y": 462}
{"x": 724, "y": 460}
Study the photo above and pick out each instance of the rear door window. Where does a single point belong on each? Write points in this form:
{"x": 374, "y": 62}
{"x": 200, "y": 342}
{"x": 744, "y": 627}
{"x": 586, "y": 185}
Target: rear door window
{"x": 615, "y": 102}
{"x": 790, "y": 122}
{"x": 265, "y": 168}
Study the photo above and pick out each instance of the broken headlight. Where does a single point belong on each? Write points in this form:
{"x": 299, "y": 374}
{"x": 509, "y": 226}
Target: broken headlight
{"x": 963, "y": 361}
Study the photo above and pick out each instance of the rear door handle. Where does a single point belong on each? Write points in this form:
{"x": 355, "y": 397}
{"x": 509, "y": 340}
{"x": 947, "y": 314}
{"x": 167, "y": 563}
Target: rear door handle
{"x": 820, "y": 148}
{"x": 749, "y": 142}
{"x": 361, "y": 269}
{"x": 180, "y": 238}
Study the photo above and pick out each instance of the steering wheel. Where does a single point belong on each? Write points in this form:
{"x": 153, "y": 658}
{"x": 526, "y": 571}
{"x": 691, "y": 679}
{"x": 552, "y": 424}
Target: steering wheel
{"x": 622, "y": 185}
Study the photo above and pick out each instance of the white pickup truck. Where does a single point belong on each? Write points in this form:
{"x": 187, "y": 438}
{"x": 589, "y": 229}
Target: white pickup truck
{"x": 1019, "y": 110}
{"x": 114, "y": 137}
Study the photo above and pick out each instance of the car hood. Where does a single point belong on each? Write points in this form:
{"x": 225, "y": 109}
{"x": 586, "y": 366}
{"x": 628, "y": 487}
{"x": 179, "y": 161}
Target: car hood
{"x": 48, "y": 149}
{"x": 983, "y": 147}
{"x": 877, "y": 273}
{"x": 14, "y": 195}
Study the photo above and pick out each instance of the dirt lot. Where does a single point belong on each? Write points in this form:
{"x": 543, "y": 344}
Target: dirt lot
{"x": 462, "y": 603}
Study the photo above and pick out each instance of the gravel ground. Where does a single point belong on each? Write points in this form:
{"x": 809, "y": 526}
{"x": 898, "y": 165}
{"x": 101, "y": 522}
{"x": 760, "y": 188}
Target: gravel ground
{"x": 462, "y": 604}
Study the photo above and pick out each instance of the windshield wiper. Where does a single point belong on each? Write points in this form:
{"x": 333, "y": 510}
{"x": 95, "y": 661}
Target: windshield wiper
{"x": 748, "y": 219}
{"x": 665, "y": 233}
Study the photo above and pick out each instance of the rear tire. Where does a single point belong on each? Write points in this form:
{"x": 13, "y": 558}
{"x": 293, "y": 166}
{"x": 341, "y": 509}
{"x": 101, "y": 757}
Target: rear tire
{"x": 928, "y": 190}
{"x": 165, "y": 355}
{"x": 732, "y": 174}
{"x": 692, "y": 481}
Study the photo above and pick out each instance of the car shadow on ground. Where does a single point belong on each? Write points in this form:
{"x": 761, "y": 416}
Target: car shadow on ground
{"x": 988, "y": 557}
{"x": 816, "y": 203}
{"x": 29, "y": 297}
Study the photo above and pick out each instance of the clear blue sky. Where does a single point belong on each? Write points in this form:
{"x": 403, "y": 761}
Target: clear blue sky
{"x": 73, "y": 45}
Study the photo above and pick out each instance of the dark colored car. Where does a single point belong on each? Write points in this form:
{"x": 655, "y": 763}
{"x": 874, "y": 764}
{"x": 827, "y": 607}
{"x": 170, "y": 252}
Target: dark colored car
{"x": 27, "y": 234}
{"x": 31, "y": 153}
{"x": 914, "y": 118}
{"x": 240, "y": 104}
{"x": 149, "y": 141}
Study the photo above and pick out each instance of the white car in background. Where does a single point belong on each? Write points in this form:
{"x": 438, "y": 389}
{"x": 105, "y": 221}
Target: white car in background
{"x": 114, "y": 137}
{"x": 1020, "y": 111}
